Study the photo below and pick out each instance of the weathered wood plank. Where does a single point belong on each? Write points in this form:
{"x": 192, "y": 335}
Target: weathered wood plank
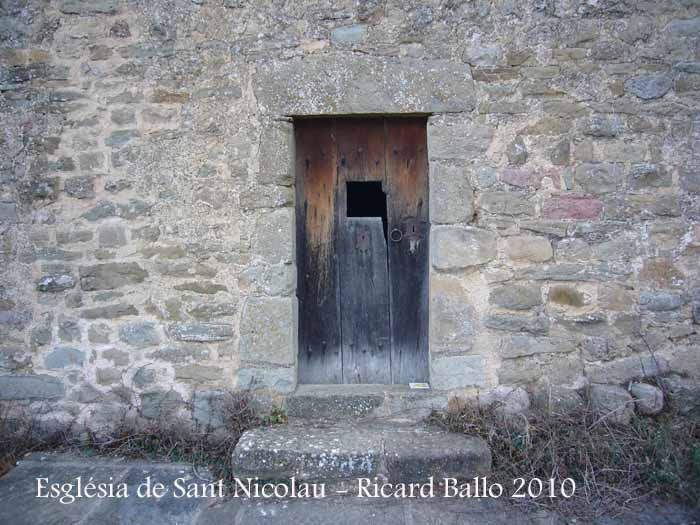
{"x": 360, "y": 149}
{"x": 407, "y": 189}
{"x": 320, "y": 359}
{"x": 364, "y": 290}
{"x": 360, "y": 158}
{"x": 365, "y": 326}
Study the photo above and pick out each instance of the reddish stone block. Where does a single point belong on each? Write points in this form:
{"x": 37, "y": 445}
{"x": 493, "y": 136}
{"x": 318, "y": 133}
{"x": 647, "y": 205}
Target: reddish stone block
{"x": 572, "y": 207}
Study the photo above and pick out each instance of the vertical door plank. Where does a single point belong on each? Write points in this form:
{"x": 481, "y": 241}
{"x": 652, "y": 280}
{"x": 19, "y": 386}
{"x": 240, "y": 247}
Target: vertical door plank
{"x": 363, "y": 265}
{"x": 360, "y": 157}
{"x": 360, "y": 149}
{"x": 320, "y": 359}
{"x": 364, "y": 292}
{"x": 407, "y": 184}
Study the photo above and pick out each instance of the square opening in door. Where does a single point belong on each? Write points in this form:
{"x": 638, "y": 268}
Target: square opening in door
{"x": 367, "y": 199}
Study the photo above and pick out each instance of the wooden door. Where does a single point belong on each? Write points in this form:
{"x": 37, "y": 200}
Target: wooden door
{"x": 407, "y": 203}
{"x": 362, "y": 263}
{"x": 362, "y": 250}
{"x": 320, "y": 358}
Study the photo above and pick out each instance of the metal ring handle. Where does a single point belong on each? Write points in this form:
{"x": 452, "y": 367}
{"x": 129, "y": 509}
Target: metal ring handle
{"x": 396, "y": 235}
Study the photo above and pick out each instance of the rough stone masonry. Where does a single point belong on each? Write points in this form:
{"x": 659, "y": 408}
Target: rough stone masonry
{"x": 147, "y": 191}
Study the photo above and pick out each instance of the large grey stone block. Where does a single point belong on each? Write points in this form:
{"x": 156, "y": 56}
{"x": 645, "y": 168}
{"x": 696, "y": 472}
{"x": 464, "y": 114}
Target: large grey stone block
{"x": 685, "y": 358}
{"x": 532, "y": 324}
{"x": 563, "y": 367}
{"x": 69, "y": 330}
{"x": 278, "y": 379}
{"x": 649, "y": 86}
{"x": 451, "y": 138}
{"x": 133, "y": 209}
{"x": 268, "y": 330}
{"x": 111, "y": 236}
{"x": 451, "y": 316}
{"x": 649, "y": 176}
{"x": 199, "y": 373}
{"x": 525, "y": 345}
{"x": 275, "y": 236}
{"x": 557, "y": 399}
{"x": 685, "y": 391}
{"x": 30, "y": 387}
{"x": 660, "y": 301}
{"x": 348, "y": 35}
{"x": 607, "y": 126}
{"x": 89, "y": 7}
{"x": 506, "y": 203}
{"x": 451, "y": 195}
{"x": 110, "y": 276}
{"x": 612, "y": 402}
{"x": 162, "y": 405}
{"x": 599, "y": 178}
{"x": 457, "y": 247}
{"x": 207, "y": 311}
{"x": 336, "y": 401}
{"x": 272, "y": 280}
{"x": 506, "y": 400}
{"x": 416, "y": 454}
{"x": 572, "y": 272}
{"x": 346, "y": 451}
{"x": 626, "y": 368}
{"x": 201, "y": 287}
{"x": 683, "y": 28}
{"x": 516, "y": 296}
{"x": 649, "y": 399}
{"x": 111, "y": 311}
{"x": 63, "y": 357}
{"x": 80, "y": 187}
{"x": 139, "y": 335}
{"x": 307, "y": 453}
{"x": 8, "y": 212}
{"x": 56, "y": 283}
{"x": 180, "y": 353}
{"x": 268, "y": 195}
{"x": 277, "y": 154}
{"x": 447, "y": 373}
{"x": 344, "y": 83}
{"x": 528, "y": 248}
{"x": 209, "y": 407}
{"x": 201, "y": 332}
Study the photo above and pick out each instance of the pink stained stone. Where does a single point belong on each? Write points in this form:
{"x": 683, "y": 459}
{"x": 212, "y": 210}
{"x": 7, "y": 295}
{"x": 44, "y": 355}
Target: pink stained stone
{"x": 572, "y": 207}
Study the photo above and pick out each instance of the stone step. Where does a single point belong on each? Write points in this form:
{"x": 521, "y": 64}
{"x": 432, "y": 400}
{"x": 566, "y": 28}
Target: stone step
{"x": 343, "y": 451}
{"x": 353, "y": 401}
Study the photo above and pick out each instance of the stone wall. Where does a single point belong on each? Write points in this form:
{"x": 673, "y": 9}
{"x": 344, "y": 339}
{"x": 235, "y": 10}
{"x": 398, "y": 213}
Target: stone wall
{"x": 147, "y": 198}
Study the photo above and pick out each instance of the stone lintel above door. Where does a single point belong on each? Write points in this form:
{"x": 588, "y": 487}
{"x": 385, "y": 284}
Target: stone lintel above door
{"x": 347, "y": 84}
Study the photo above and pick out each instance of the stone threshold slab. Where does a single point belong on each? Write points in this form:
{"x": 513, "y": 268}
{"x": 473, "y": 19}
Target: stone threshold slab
{"x": 356, "y": 401}
{"x": 348, "y": 450}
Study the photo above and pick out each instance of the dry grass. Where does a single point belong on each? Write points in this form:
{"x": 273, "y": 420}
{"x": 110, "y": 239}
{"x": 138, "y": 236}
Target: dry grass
{"x": 20, "y": 437}
{"x": 614, "y": 466}
{"x": 159, "y": 440}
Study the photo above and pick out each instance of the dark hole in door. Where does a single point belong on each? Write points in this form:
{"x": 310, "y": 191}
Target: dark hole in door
{"x": 367, "y": 199}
